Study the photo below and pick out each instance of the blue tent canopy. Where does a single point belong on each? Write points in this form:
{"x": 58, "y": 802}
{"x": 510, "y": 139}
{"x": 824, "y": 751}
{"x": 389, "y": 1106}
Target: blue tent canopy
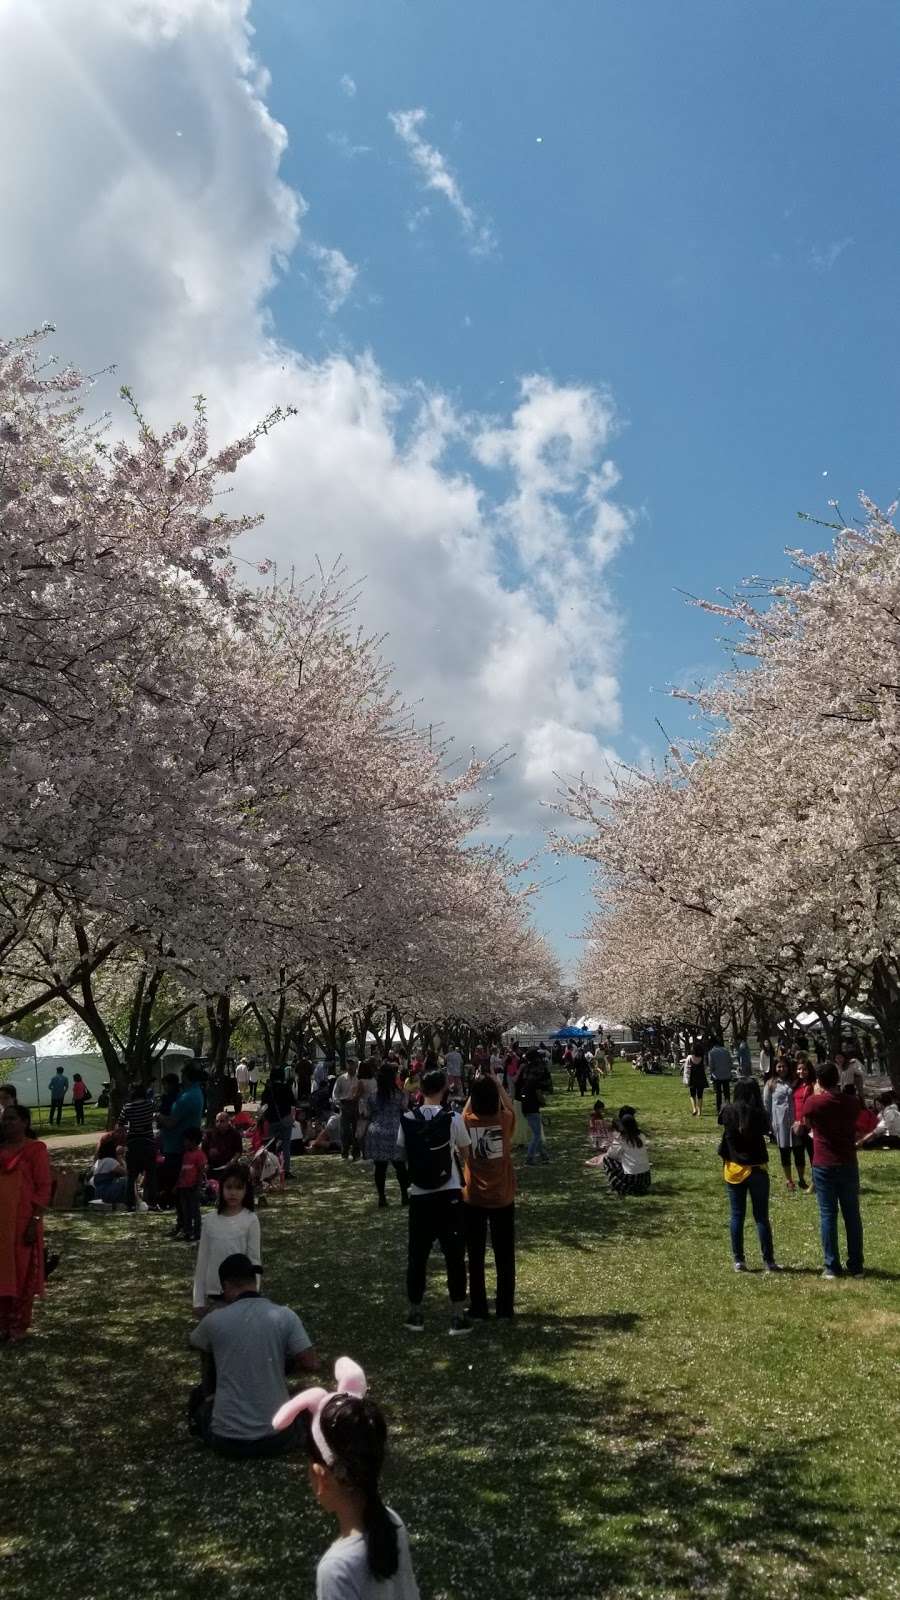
{"x": 572, "y": 1033}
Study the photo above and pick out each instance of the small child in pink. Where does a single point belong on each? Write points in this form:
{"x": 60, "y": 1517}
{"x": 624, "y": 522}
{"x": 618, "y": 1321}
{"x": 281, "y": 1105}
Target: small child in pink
{"x": 187, "y": 1188}
{"x": 600, "y": 1132}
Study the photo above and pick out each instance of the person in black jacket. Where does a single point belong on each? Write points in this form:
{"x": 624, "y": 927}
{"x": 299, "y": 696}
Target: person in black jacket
{"x": 745, "y": 1160}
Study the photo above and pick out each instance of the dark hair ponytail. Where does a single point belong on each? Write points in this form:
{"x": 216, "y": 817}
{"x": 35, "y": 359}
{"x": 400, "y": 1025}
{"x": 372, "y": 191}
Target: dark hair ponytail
{"x": 629, "y": 1129}
{"x": 356, "y": 1432}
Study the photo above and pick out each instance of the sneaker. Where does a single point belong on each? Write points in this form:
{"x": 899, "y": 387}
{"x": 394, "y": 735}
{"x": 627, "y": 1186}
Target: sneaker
{"x": 460, "y": 1325}
{"x": 772, "y": 1266}
{"x": 740, "y": 1266}
{"x": 415, "y": 1322}
{"x": 855, "y": 1272}
{"x": 829, "y": 1274}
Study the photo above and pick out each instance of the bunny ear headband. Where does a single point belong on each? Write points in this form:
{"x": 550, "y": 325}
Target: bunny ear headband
{"x": 350, "y": 1379}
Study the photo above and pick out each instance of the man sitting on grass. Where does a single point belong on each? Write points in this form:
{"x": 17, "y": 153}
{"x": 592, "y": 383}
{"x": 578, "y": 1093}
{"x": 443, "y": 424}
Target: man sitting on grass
{"x": 247, "y": 1347}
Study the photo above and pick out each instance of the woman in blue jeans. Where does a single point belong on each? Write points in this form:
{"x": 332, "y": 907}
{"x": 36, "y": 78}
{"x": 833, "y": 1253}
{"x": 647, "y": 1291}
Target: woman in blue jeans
{"x": 532, "y": 1101}
{"x": 745, "y": 1159}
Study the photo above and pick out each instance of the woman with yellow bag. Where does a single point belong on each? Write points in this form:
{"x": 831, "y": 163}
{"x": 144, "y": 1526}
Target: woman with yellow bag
{"x": 745, "y": 1159}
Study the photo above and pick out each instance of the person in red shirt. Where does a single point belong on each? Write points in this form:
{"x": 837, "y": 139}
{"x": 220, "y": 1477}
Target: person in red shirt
{"x": 804, "y": 1089}
{"x": 187, "y": 1187}
{"x": 831, "y": 1116}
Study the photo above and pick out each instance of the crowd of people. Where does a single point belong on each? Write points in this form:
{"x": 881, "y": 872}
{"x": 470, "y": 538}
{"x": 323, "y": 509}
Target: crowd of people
{"x": 447, "y": 1128}
{"x": 815, "y": 1114}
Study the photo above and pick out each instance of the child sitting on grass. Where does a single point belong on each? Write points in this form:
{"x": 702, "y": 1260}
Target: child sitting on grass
{"x": 627, "y": 1161}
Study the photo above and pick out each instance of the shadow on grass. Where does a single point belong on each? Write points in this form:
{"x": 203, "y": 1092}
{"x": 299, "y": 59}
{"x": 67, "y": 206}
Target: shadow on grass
{"x": 618, "y": 1500}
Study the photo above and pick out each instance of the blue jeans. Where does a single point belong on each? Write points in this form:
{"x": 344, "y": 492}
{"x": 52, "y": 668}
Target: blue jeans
{"x": 536, "y": 1144}
{"x": 757, "y": 1187}
{"x": 839, "y": 1187}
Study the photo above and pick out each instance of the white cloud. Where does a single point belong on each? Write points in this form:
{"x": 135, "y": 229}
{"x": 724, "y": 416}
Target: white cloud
{"x": 348, "y": 86}
{"x": 345, "y": 146}
{"x": 436, "y": 174}
{"x": 828, "y": 256}
{"x": 483, "y": 542}
{"x": 338, "y": 274}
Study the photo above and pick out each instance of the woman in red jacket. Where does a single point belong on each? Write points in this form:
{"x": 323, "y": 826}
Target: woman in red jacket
{"x": 25, "y": 1187}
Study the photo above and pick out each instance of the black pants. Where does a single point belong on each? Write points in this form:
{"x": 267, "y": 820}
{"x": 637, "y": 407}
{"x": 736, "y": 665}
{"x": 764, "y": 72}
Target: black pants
{"x": 799, "y": 1152}
{"x": 56, "y": 1111}
{"x": 502, "y": 1222}
{"x": 79, "y": 1113}
{"x": 381, "y": 1176}
{"x": 167, "y": 1179}
{"x": 722, "y": 1087}
{"x": 187, "y": 1205}
{"x": 140, "y": 1161}
{"x": 349, "y": 1117}
{"x": 436, "y": 1217}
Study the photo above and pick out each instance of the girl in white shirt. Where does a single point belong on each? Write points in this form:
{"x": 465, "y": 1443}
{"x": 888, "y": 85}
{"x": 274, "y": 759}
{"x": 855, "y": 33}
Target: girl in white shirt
{"x": 232, "y": 1229}
{"x": 627, "y": 1161}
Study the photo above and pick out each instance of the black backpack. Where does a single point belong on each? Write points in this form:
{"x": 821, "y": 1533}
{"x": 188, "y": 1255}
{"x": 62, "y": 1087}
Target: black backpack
{"x": 429, "y": 1153}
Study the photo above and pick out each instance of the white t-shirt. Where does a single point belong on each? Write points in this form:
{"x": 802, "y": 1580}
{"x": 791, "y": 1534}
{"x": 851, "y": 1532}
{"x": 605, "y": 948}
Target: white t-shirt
{"x": 888, "y": 1122}
{"x": 250, "y": 1342}
{"x": 343, "y": 1572}
{"x": 634, "y": 1160}
{"x": 344, "y": 1087}
{"x": 459, "y": 1143}
{"x": 106, "y": 1167}
{"x": 222, "y": 1236}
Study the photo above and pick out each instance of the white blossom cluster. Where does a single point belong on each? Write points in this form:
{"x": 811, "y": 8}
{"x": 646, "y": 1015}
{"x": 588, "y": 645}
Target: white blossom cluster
{"x": 210, "y": 793}
{"x": 756, "y": 877}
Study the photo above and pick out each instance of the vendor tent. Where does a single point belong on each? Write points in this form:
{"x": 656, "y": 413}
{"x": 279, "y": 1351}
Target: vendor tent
{"x": 12, "y": 1049}
{"x": 572, "y": 1033}
{"x": 72, "y": 1047}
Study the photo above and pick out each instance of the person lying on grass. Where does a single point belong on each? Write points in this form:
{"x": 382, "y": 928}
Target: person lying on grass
{"x": 247, "y": 1346}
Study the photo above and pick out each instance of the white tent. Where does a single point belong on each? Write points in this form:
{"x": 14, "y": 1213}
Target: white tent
{"x": 12, "y": 1049}
{"x": 69, "y": 1045}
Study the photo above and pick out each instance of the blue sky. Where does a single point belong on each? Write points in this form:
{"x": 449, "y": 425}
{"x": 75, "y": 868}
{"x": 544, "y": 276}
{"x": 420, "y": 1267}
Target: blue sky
{"x": 676, "y": 221}
{"x": 709, "y": 227}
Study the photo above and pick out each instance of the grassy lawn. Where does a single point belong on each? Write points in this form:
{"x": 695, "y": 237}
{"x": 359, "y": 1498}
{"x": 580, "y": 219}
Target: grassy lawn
{"x": 652, "y": 1425}
{"x": 94, "y": 1122}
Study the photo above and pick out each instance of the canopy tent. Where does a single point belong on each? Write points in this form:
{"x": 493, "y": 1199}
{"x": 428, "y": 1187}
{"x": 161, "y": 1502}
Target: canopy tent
{"x": 12, "y": 1049}
{"x": 811, "y": 1019}
{"x": 69, "y": 1045}
{"x": 568, "y": 1032}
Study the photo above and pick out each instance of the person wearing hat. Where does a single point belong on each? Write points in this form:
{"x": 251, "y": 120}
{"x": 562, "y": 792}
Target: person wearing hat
{"x": 248, "y": 1346}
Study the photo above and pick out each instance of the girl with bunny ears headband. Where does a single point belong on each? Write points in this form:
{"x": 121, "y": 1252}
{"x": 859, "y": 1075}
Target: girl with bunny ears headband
{"x": 345, "y": 1442}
